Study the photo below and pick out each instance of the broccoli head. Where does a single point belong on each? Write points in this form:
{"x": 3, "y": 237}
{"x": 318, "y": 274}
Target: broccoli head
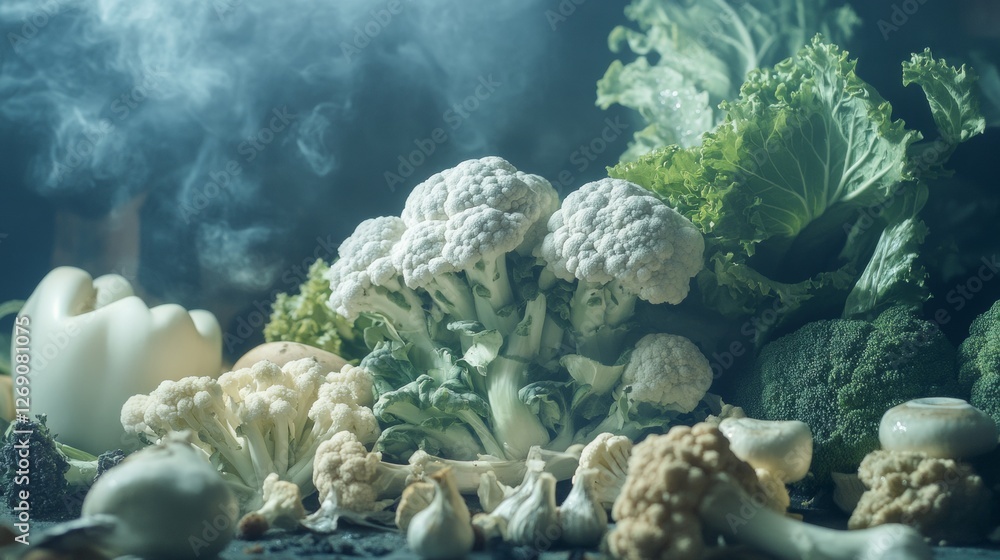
{"x": 979, "y": 362}
{"x": 840, "y": 376}
{"x": 305, "y": 318}
{"x": 107, "y": 461}
{"x": 56, "y": 476}
{"x": 42, "y": 474}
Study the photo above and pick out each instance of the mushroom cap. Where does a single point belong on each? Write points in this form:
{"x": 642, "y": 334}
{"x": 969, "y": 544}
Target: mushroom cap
{"x": 938, "y": 426}
{"x": 783, "y": 447}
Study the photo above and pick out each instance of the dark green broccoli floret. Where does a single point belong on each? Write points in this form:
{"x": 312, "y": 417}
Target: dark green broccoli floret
{"x": 57, "y": 476}
{"x": 305, "y": 318}
{"x": 108, "y": 460}
{"x": 979, "y": 362}
{"x": 42, "y": 474}
{"x": 840, "y": 376}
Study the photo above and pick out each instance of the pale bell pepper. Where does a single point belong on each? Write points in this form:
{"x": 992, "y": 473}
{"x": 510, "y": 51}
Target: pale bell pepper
{"x": 93, "y": 344}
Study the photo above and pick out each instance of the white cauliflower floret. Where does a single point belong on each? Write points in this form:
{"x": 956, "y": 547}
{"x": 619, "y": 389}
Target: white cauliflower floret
{"x": 350, "y": 384}
{"x": 608, "y": 457}
{"x": 282, "y": 508}
{"x": 615, "y": 231}
{"x": 419, "y": 256}
{"x": 364, "y": 278}
{"x": 667, "y": 371}
{"x": 489, "y": 183}
{"x": 367, "y": 252}
{"x": 344, "y": 466}
{"x": 467, "y": 219}
{"x": 944, "y": 499}
{"x": 261, "y": 420}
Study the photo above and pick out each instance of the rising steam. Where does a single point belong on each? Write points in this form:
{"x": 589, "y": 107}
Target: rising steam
{"x": 253, "y": 124}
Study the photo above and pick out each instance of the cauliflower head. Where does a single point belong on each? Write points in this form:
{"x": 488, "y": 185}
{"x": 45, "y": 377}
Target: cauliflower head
{"x": 487, "y": 205}
{"x": 615, "y": 230}
{"x": 668, "y": 372}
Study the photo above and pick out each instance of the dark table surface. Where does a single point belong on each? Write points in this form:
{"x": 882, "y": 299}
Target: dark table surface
{"x": 362, "y": 543}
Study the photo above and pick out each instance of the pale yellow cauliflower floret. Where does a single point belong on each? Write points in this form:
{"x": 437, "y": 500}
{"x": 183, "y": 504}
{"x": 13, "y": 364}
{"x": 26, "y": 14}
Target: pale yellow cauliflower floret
{"x": 942, "y": 498}
{"x": 657, "y": 510}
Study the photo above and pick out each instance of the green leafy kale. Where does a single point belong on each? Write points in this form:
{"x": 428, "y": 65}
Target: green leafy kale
{"x": 809, "y": 193}
{"x": 694, "y": 55}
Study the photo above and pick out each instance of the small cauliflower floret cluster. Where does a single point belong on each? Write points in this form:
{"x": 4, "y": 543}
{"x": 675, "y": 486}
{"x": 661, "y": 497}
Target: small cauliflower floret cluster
{"x": 942, "y": 498}
{"x": 345, "y": 470}
{"x": 666, "y": 374}
{"x": 669, "y": 476}
{"x": 262, "y": 420}
{"x": 282, "y": 508}
{"x": 608, "y": 456}
{"x": 688, "y": 486}
{"x": 922, "y": 478}
{"x": 355, "y": 479}
{"x": 500, "y": 317}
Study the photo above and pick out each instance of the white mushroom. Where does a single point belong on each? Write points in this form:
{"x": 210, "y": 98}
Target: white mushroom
{"x": 783, "y": 448}
{"x": 938, "y": 426}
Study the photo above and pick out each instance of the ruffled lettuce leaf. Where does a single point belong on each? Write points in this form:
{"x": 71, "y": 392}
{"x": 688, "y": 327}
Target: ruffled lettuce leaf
{"x": 951, "y": 94}
{"x": 808, "y": 191}
{"x": 692, "y": 55}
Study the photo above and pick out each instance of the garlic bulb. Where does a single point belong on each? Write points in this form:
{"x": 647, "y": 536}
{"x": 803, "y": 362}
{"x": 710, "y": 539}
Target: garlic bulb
{"x": 582, "y": 516}
{"x": 535, "y": 522}
{"x": 443, "y": 530}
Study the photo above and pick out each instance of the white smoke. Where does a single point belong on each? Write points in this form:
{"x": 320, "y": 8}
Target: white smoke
{"x": 245, "y": 120}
